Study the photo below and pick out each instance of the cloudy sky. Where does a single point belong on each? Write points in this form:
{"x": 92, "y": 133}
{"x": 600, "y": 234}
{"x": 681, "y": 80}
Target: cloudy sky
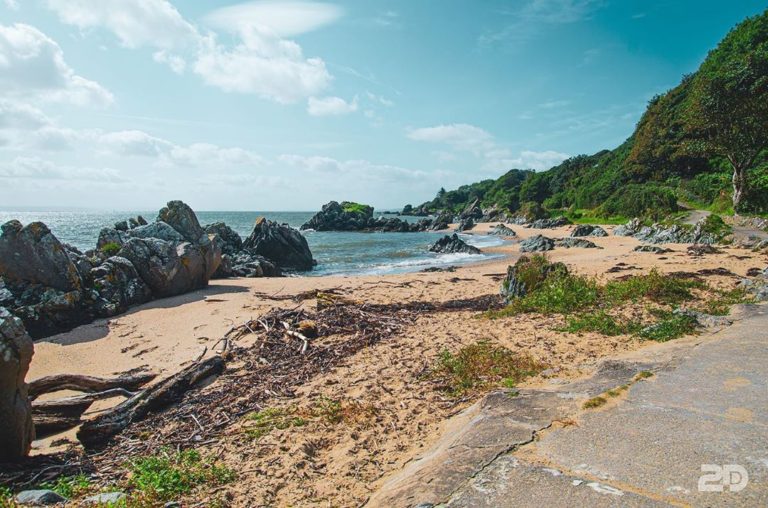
{"x": 284, "y": 105}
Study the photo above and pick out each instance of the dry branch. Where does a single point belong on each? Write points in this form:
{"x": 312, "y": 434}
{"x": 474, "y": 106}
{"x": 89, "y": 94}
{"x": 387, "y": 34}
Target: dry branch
{"x": 87, "y": 383}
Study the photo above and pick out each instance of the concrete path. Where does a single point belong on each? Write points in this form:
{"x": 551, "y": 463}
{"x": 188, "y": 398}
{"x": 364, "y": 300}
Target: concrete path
{"x": 706, "y": 404}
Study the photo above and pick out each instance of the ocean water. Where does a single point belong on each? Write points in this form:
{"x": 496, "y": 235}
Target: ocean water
{"x": 337, "y": 253}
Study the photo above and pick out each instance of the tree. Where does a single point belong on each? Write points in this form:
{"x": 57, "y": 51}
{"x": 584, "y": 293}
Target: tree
{"x": 729, "y": 102}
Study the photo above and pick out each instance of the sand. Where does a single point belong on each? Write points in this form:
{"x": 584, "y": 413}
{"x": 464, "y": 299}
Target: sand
{"x": 391, "y": 413}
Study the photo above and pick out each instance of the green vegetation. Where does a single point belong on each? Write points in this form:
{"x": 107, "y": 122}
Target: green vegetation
{"x": 6, "y": 497}
{"x": 69, "y": 486}
{"x": 482, "y": 365}
{"x": 653, "y": 286}
{"x": 559, "y": 294}
{"x": 715, "y": 225}
{"x": 594, "y": 402}
{"x": 356, "y": 208}
{"x": 110, "y": 249}
{"x": 669, "y": 327}
{"x": 172, "y": 474}
{"x": 688, "y": 146}
{"x": 645, "y": 374}
{"x": 265, "y": 421}
{"x": 721, "y": 304}
{"x": 600, "y": 322}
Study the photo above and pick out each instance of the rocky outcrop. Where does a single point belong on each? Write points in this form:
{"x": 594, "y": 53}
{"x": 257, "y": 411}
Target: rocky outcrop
{"x": 549, "y": 223}
{"x": 16, "y": 350}
{"x": 280, "y": 243}
{"x": 538, "y": 243}
{"x": 653, "y": 249}
{"x": 451, "y": 244}
{"x": 502, "y": 230}
{"x": 756, "y": 287}
{"x": 465, "y": 225}
{"x": 629, "y": 229}
{"x": 31, "y": 254}
{"x": 119, "y": 286}
{"x": 472, "y": 211}
{"x": 570, "y": 242}
{"x": 660, "y": 233}
{"x": 344, "y": 216}
{"x": 588, "y": 230}
{"x": 231, "y": 243}
{"x": 442, "y": 221}
{"x": 130, "y": 223}
{"x": 527, "y": 274}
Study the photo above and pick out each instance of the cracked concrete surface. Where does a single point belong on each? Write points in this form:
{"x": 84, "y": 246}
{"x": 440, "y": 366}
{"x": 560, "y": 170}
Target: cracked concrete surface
{"x": 707, "y": 404}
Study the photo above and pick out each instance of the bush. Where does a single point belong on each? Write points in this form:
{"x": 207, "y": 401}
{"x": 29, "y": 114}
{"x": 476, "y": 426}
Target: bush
{"x": 600, "y": 322}
{"x": 110, "y": 249}
{"x": 482, "y": 365}
{"x": 670, "y": 326}
{"x": 654, "y": 286}
{"x": 559, "y": 294}
{"x": 640, "y": 200}
{"x": 532, "y": 210}
{"x": 356, "y": 208}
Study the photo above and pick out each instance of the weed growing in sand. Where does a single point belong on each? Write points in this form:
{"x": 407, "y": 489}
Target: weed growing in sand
{"x": 720, "y": 305}
{"x": 265, "y": 421}
{"x": 645, "y": 374}
{"x": 670, "y": 326}
{"x": 594, "y": 402}
{"x": 170, "y": 474}
{"x": 654, "y": 286}
{"x": 482, "y": 365}
{"x": 558, "y": 294}
{"x": 600, "y": 322}
{"x": 69, "y": 486}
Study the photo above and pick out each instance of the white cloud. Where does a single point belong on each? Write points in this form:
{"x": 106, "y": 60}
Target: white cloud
{"x": 134, "y": 143}
{"x": 175, "y": 62}
{"x": 282, "y": 19}
{"x": 16, "y": 115}
{"x": 460, "y": 136}
{"x": 35, "y": 168}
{"x": 330, "y": 106}
{"x": 136, "y": 23}
{"x": 380, "y": 99}
{"x": 359, "y": 168}
{"x": 206, "y": 153}
{"x": 32, "y": 66}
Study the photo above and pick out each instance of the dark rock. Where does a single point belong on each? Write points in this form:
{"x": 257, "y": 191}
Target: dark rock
{"x": 231, "y": 241}
{"x": 466, "y": 224}
{"x": 346, "y": 216}
{"x": 39, "y": 498}
{"x": 453, "y": 244}
{"x": 180, "y": 217}
{"x": 538, "y": 243}
{"x": 757, "y": 287}
{"x": 119, "y": 286}
{"x": 109, "y": 236}
{"x": 281, "y": 244}
{"x": 628, "y": 229}
{"x": 660, "y": 233}
{"x": 159, "y": 230}
{"x": 245, "y": 264}
{"x": 434, "y": 269}
{"x": 700, "y": 249}
{"x": 442, "y": 221}
{"x": 33, "y": 254}
{"x": 527, "y": 275}
{"x": 654, "y": 249}
{"x": 16, "y": 350}
{"x": 549, "y": 223}
{"x": 588, "y": 230}
{"x": 502, "y": 230}
{"x": 47, "y": 311}
{"x": 472, "y": 211}
{"x": 571, "y": 242}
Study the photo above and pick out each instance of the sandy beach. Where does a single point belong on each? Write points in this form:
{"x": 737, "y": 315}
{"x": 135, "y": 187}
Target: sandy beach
{"x": 397, "y": 413}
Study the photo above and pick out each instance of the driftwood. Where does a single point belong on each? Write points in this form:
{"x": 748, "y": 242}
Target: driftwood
{"x": 87, "y": 383}
{"x": 54, "y": 416}
{"x": 166, "y": 392}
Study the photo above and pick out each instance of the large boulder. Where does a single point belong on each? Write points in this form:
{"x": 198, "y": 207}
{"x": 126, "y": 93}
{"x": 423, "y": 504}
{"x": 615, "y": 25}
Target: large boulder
{"x": 246, "y": 264}
{"x": 231, "y": 242}
{"x": 109, "y": 238}
{"x": 160, "y": 230}
{"x": 570, "y": 242}
{"x": 281, "y": 244}
{"x": 502, "y": 230}
{"x": 344, "y": 216}
{"x": 538, "y": 243}
{"x": 182, "y": 218}
{"x": 472, "y": 211}
{"x": 119, "y": 286}
{"x": 16, "y": 350}
{"x": 549, "y": 223}
{"x": 465, "y": 224}
{"x": 33, "y": 254}
{"x": 528, "y": 274}
{"x": 168, "y": 269}
{"x": 629, "y": 229}
{"x": 588, "y": 230}
{"x": 452, "y": 244}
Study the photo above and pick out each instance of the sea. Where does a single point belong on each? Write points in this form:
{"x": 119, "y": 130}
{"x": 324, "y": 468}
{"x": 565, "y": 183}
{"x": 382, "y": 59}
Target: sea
{"x": 337, "y": 253}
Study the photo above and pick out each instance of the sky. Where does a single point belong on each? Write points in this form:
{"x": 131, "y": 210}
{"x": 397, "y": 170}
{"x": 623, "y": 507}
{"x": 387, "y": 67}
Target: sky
{"x": 286, "y": 105}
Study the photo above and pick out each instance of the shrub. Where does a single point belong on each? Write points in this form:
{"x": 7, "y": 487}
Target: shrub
{"x": 532, "y": 210}
{"x": 529, "y": 273}
{"x": 670, "y": 326}
{"x": 356, "y": 208}
{"x": 110, "y": 249}
{"x": 654, "y": 286}
{"x": 594, "y": 402}
{"x": 559, "y": 294}
{"x": 715, "y": 225}
{"x": 482, "y": 365}
{"x": 640, "y": 200}
{"x": 600, "y": 322}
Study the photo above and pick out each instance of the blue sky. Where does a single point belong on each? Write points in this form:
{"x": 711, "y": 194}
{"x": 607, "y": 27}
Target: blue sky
{"x": 285, "y": 105}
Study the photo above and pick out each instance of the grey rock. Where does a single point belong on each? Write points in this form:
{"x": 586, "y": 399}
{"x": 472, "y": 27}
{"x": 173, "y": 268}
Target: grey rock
{"x": 16, "y": 350}
{"x": 334, "y": 217}
{"x": 442, "y": 221}
{"x": 231, "y": 241}
{"x": 549, "y": 223}
{"x": 105, "y": 498}
{"x": 628, "y": 229}
{"x": 653, "y": 249}
{"x": 110, "y": 236}
{"x": 39, "y": 498}
{"x": 160, "y": 230}
{"x": 588, "y": 230}
{"x": 514, "y": 286}
{"x": 757, "y": 287}
{"x": 466, "y": 224}
{"x": 180, "y": 217}
{"x": 472, "y": 211}
{"x": 33, "y": 254}
{"x": 538, "y": 243}
{"x": 281, "y": 244}
{"x": 705, "y": 320}
{"x": 451, "y": 244}
{"x": 571, "y": 242}
{"x": 245, "y": 264}
{"x": 119, "y": 286}
{"x": 502, "y": 230}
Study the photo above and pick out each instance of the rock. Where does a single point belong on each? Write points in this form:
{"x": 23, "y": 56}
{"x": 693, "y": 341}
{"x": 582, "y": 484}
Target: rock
{"x": 119, "y": 286}
{"x": 159, "y": 230}
{"x": 180, "y": 217}
{"x": 435, "y": 269}
{"x": 39, "y": 498}
{"x": 571, "y": 242}
{"x": 588, "y": 230}
{"x": 653, "y": 249}
{"x": 527, "y": 274}
{"x": 705, "y": 320}
{"x": 451, "y": 244}
{"x": 166, "y": 268}
{"x": 757, "y": 287}
{"x": 16, "y": 350}
{"x": 281, "y": 244}
{"x": 472, "y": 211}
{"x": 502, "y": 230}
{"x": 466, "y": 224}
{"x": 549, "y": 223}
{"x": 245, "y": 264}
{"x": 700, "y": 249}
{"x": 231, "y": 241}
{"x": 346, "y": 216}
{"x": 33, "y": 254}
{"x": 442, "y": 221}
{"x": 761, "y": 245}
{"x": 106, "y": 498}
{"x": 108, "y": 236}
{"x": 538, "y": 243}
{"x": 47, "y": 311}
{"x": 628, "y": 229}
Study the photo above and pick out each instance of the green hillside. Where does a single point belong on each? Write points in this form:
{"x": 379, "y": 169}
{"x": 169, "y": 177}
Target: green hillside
{"x": 686, "y": 148}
